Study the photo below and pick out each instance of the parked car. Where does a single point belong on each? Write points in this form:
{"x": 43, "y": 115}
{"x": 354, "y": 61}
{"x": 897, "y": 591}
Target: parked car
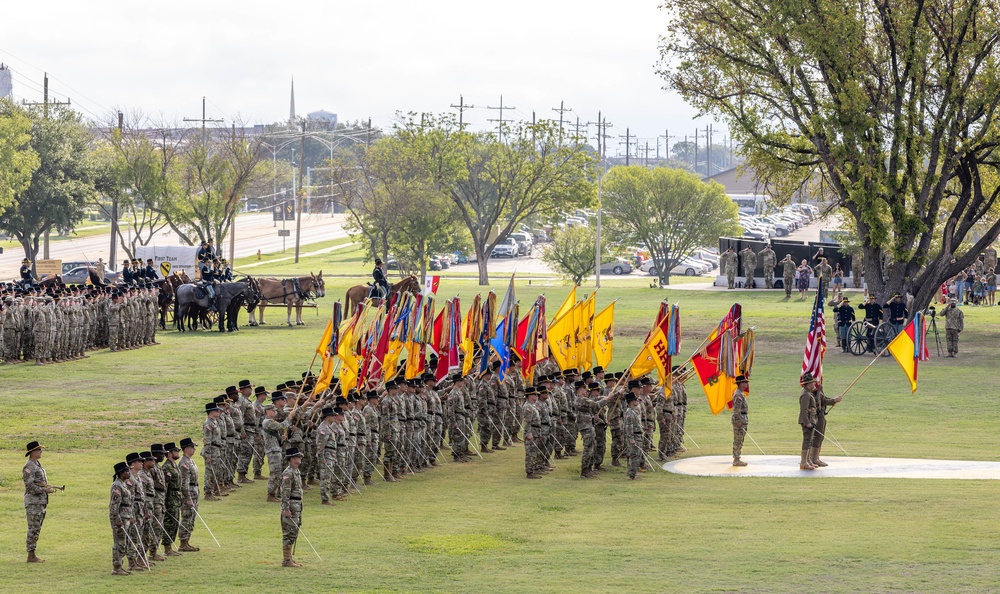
{"x": 434, "y": 264}
{"x": 649, "y": 266}
{"x": 80, "y": 276}
{"x": 617, "y": 266}
{"x": 524, "y": 243}
{"x": 504, "y": 250}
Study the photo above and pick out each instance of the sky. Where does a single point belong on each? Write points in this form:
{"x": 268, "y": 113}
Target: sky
{"x": 360, "y": 60}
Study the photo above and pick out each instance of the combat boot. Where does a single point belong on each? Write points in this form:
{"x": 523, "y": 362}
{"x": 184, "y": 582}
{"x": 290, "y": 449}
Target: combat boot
{"x": 210, "y": 497}
{"x": 187, "y": 548}
{"x": 272, "y": 499}
{"x": 814, "y": 458}
{"x": 804, "y": 463}
{"x": 33, "y": 559}
{"x": 244, "y": 479}
{"x": 533, "y": 475}
{"x": 169, "y": 552}
{"x": 258, "y": 476}
{"x": 152, "y": 555}
{"x": 368, "y": 481}
{"x": 119, "y": 571}
{"x": 738, "y": 462}
{"x": 286, "y": 561}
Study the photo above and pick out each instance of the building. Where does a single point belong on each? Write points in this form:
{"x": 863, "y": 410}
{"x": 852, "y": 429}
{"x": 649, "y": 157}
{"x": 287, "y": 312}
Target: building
{"x": 743, "y": 181}
{"x": 323, "y": 116}
{"x": 7, "y": 83}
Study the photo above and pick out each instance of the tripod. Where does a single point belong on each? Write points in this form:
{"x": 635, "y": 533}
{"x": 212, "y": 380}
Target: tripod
{"x": 937, "y": 336}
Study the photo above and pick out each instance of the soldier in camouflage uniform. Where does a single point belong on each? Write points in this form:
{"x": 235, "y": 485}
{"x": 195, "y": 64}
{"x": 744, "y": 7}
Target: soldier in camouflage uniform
{"x": 547, "y": 412}
{"x": 248, "y": 430}
{"x": 260, "y": 395}
{"x": 36, "y": 496}
{"x": 273, "y": 430}
{"x": 291, "y": 506}
{"x": 326, "y": 447}
{"x": 120, "y": 516}
{"x": 740, "y": 418}
{"x": 788, "y": 269}
{"x": 728, "y": 261}
{"x": 373, "y": 422}
{"x": 172, "y": 498}
{"x": 679, "y": 397}
{"x": 487, "y": 410}
{"x": 533, "y": 453}
{"x": 150, "y": 535}
{"x": 749, "y": 266}
{"x": 633, "y": 431}
{"x": 665, "y": 411}
{"x": 211, "y": 451}
{"x": 189, "y": 495}
{"x": 137, "y": 554}
{"x": 768, "y": 260}
{"x": 389, "y": 431}
{"x": 588, "y": 402}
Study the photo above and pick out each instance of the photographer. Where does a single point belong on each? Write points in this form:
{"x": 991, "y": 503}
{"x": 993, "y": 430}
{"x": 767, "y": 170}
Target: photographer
{"x": 954, "y": 323}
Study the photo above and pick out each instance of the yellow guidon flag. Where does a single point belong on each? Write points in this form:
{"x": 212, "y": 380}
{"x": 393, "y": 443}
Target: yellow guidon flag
{"x": 584, "y": 332}
{"x": 654, "y": 355}
{"x": 348, "y": 360}
{"x": 566, "y": 306}
{"x": 562, "y": 339}
{"x": 603, "y": 335}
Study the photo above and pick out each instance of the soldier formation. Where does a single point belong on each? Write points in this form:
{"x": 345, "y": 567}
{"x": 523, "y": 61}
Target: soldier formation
{"x": 63, "y": 323}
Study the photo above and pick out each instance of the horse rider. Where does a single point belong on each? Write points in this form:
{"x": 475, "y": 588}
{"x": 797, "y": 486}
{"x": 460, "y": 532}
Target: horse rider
{"x": 27, "y": 276}
{"x": 150, "y": 271}
{"x": 378, "y": 275}
{"x": 208, "y": 281}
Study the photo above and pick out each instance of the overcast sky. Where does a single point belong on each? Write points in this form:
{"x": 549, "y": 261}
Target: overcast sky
{"x": 358, "y": 59}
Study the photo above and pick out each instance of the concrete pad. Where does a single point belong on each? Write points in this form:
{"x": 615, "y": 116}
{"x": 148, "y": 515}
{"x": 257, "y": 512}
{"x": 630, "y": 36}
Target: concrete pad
{"x": 839, "y": 466}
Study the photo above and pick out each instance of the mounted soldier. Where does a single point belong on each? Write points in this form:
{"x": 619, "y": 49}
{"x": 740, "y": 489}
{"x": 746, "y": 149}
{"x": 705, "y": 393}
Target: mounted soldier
{"x": 380, "y": 286}
{"x": 208, "y": 281}
{"x": 27, "y": 276}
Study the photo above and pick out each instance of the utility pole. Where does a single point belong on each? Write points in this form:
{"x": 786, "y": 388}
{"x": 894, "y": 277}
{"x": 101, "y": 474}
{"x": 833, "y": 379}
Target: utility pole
{"x": 368, "y": 133}
{"x": 203, "y": 119}
{"x": 602, "y": 128}
{"x": 45, "y": 112}
{"x": 114, "y": 204}
{"x": 577, "y": 128}
{"x": 628, "y": 144}
{"x": 696, "y": 150}
{"x": 461, "y": 107}
{"x": 708, "y": 150}
{"x": 666, "y": 145}
{"x": 500, "y": 120}
{"x": 298, "y": 195}
{"x": 562, "y": 110}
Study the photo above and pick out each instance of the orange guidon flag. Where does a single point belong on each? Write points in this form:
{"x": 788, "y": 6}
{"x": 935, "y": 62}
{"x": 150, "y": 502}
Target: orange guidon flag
{"x": 654, "y": 355}
{"x": 718, "y": 386}
{"x": 909, "y": 347}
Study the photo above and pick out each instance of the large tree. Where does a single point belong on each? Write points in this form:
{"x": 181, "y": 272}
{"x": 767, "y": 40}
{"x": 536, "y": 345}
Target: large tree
{"x": 892, "y": 104}
{"x": 572, "y": 252}
{"x": 669, "y": 211}
{"x": 17, "y": 159}
{"x": 63, "y": 184}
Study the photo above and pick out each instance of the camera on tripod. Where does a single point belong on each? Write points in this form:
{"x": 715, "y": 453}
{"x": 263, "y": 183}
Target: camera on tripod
{"x": 931, "y": 311}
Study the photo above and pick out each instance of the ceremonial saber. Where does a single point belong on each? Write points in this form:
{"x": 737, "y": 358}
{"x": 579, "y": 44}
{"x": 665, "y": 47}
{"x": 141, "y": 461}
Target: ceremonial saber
{"x": 472, "y": 447}
{"x": 135, "y": 548}
{"x": 195, "y": 509}
{"x": 835, "y": 442}
{"x": 688, "y": 435}
{"x": 754, "y": 442}
{"x": 299, "y": 529}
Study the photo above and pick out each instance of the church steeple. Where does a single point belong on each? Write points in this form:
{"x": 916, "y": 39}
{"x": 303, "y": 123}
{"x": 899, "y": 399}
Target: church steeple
{"x": 291, "y": 108}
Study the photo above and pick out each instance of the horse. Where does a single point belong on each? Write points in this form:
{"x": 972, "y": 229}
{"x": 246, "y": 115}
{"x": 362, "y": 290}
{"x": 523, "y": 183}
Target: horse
{"x": 292, "y": 292}
{"x": 187, "y": 299}
{"x": 167, "y": 290}
{"x": 231, "y": 297}
{"x": 52, "y": 280}
{"x": 359, "y": 293}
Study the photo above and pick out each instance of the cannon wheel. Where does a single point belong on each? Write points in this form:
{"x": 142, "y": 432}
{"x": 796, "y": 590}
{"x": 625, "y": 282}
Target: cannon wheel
{"x": 857, "y": 339}
{"x": 884, "y": 334}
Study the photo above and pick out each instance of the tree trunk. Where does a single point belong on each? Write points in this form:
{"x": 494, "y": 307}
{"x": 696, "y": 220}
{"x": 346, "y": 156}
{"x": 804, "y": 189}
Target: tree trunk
{"x": 484, "y": 277}
{"x": 422, "y": 256}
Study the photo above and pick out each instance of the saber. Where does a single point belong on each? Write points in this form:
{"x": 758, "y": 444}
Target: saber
{"x": 754, "y": 442}
{"x": 299, "y": 529}
{"x": 835, "y": 442}
{"x": 134, "y": 548}
{"x": 369, "y": 463}
{"x": 206, "y": 526}
{"x": 142, "y": 555}
{"x": 469, "y": 441}
{"x": 686, "y": 434}
{"x": 652, "y": 464}
{"x": 402, "y": 457}
{"x": 158, "y": 523}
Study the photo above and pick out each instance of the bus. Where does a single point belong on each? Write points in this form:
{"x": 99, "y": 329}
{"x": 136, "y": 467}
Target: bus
{"x": 752, "y": 204}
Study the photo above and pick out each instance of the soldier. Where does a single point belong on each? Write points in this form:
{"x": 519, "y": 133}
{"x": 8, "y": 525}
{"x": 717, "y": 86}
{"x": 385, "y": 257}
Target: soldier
{"x": 260, "y": 395}
{"x": 739, "y": 417}
{"x": 155, "y": 472}
{"x": 615, "y": 422}
{"x": 115, "y": 321}
{"x": 250, "y": 427}
{"x": 389, "y": 431}
{"x": 546, "y": 411}
{"x": 822, "y": 402}
{"x": 845, "y": 317}
{"x": 291, "y": 506}
{"x": 326, "y": 448}
{"x": 272, "y": 430}
{"x": 954, "y": 323}
{"x": 487, "y": 409}
{"x": 532, "y": 434}
{"x": 768, "y": 259}
{"x": 373, "y": 422}
{"x": 120, "y": 516}
{"x": 897, "y": 312}
{"x": 137, "y": 554}
{"x": 189, "y": 495}
{"x": 211, "y": 452}
{"x": 749, "y": 266}
{"x": 36, "y": 496}
{"x": 150, "y": 536}
{"x": 601, "y": 418}
{"x": 990, "y": 258}
{"x": 664, "y": 407}
{"x": 588, "y": 404}
{"x": 171, "y": 499}
{"x": 728, "y": 260}
{"x": 634, "y": 437}
{"x": 825, "y": 273}
{"x": 807, "y": 419}
{"x": 679, "y": 396}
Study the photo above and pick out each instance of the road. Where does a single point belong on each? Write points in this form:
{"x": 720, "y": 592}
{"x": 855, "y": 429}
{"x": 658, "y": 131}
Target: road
{"x": 253, "y": 232}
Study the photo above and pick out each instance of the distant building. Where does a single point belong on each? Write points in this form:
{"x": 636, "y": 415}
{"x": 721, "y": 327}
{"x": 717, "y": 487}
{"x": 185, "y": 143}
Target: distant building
{"x": 323, "y": 116}
{"x": 7, "y": 83}
{"x": 743, "y": 181}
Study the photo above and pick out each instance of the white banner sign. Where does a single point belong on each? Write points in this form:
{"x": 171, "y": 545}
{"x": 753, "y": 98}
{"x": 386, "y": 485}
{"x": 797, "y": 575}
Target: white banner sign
{"x": 169, "y": 259}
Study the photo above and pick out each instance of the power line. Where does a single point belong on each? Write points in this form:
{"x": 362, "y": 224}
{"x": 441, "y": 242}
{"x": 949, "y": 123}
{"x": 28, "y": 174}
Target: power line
{"x": 461, "y": 107}
{"x": 204, "y": 120}
{"x": 500, "y": 120}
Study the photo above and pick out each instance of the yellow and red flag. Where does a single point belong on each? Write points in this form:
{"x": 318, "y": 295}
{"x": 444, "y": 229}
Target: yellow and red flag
{"x": 603, "y": 335}
{"x": 910, "y": 346}
{"x": 655, "y": 354}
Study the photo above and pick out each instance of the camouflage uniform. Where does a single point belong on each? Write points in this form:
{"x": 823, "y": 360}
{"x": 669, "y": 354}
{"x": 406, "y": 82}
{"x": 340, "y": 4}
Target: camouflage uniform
{"x": 211, "y": 451}
{"x": 291, "y": 501}
{"x": 171, "y": 501}
{"x": 740, "y": 421}
{"x": 768, "y": 260}
{"x": 36, "y": 498}
{"x": 788, "y": 269}
{"x": 120, "y": 516}
{"x": 634, "y": 439}
{"x": 728, "y": 261}
{"x": 749, "y": 266}
{"x": 189, "y": 497}
{"x": 533, "y": 458}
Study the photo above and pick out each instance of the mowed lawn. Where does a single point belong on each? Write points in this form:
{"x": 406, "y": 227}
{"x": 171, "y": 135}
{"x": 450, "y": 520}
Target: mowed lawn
{"x": 481, "y": 527}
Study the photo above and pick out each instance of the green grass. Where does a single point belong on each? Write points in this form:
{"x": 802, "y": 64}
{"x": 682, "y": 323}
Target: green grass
{"x": 481, "y": 527}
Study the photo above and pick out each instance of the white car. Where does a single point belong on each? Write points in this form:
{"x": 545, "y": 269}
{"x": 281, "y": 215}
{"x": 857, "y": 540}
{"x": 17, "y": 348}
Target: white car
{"x": 524, "y": 242}
{"x": 507, "y": 249}
{"x": 649, "y": 267}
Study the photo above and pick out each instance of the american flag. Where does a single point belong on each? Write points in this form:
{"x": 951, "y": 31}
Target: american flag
{"x": 812, "y": 360}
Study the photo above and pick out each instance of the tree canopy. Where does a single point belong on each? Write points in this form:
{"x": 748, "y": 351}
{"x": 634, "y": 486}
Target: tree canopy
{"x": 891, "y": 105}
{"x": 18, "y": 160}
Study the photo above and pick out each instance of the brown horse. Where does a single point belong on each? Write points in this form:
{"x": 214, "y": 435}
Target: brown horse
{"x": 292, "y": 292}
{"x": 359, "y": 293}
{"x": 168, "y": 288}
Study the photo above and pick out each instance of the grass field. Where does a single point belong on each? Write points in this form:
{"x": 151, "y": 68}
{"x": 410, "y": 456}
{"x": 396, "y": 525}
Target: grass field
{"x": 481, "y": 527}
